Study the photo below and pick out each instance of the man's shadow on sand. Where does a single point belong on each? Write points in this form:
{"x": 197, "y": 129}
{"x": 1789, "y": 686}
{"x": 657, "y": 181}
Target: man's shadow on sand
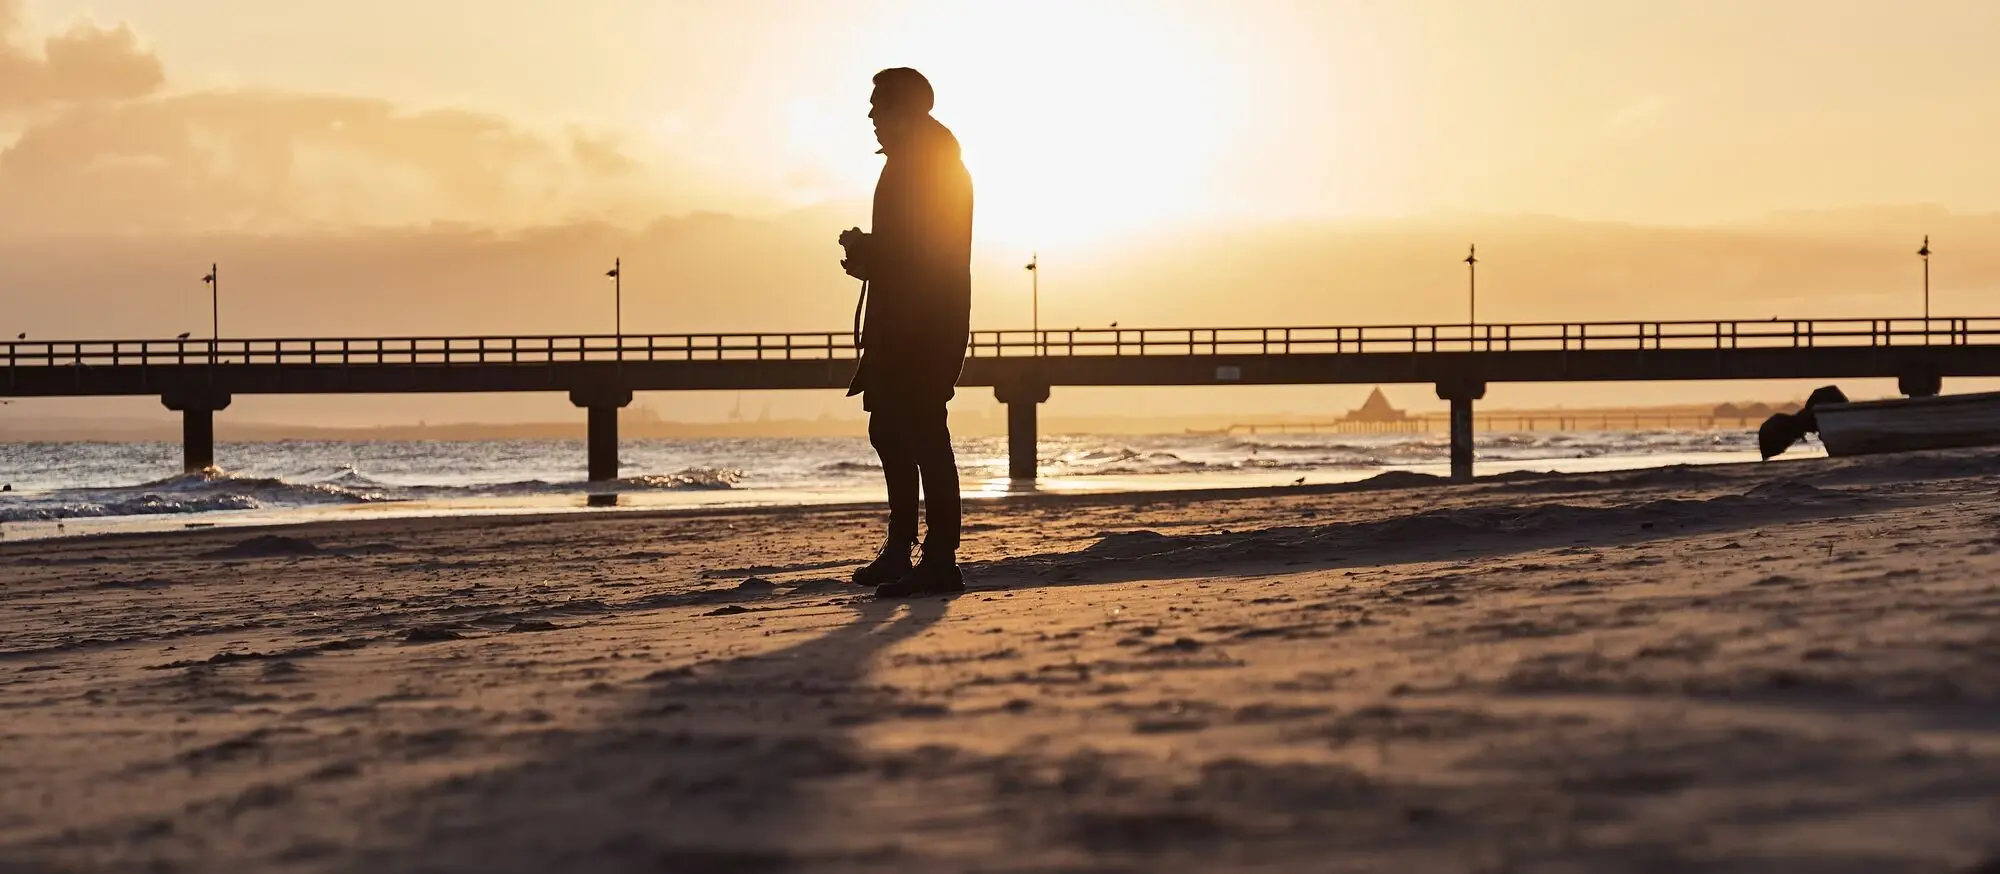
{"x": 709, "y": 768}
{"x": 1447, "y": 534}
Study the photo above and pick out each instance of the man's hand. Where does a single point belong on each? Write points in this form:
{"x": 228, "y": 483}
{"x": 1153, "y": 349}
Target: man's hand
{"x": 855, "y": 242}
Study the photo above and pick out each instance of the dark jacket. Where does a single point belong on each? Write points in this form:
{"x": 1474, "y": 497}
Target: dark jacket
{"x": 919, "y": 269}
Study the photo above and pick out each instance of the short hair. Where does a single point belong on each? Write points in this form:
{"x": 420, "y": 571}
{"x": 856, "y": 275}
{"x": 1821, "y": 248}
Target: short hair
{"x": 907, "y": 86}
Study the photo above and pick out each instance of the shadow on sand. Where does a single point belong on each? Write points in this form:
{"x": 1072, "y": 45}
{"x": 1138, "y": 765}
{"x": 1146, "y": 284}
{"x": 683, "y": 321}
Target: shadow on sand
{"x": 1452, "y": 534}
{"x": 713, "y": 768}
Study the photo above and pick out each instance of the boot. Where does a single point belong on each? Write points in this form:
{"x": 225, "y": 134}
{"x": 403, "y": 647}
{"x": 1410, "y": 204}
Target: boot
{"x": 890, "y": 564}
{"x": 936, "y": 574}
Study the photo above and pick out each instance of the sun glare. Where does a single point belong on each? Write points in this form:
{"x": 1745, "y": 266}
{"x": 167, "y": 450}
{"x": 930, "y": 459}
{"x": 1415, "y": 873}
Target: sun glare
{"x": 1078, "y": 121}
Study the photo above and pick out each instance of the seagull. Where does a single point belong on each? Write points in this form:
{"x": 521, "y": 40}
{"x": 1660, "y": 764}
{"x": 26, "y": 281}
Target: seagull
{"x": 1299, "y": 482}
{"x": 21, "y": 336}
{"x": 184, "y": 335}
{"x": 1114, "y": 324}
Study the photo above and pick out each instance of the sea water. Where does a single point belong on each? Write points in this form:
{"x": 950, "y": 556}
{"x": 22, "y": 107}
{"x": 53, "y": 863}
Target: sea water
{"x": 88, "y": 487}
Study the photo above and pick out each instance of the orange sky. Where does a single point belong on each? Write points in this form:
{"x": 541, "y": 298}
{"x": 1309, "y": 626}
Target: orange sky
{"x": 1128, "y": 112}
{"x": 1092, "y": 127}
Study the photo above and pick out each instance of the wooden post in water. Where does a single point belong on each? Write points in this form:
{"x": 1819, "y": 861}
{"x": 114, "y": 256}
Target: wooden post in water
{"x": 1023, "y": 443}
{"x": 197, "y": 408}
{"x": 1461, "y": 394}
{"x": 603, "y": 404}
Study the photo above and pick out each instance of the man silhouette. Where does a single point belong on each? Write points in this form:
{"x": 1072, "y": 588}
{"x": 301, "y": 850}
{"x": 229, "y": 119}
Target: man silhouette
{"x": 917, "y": 263}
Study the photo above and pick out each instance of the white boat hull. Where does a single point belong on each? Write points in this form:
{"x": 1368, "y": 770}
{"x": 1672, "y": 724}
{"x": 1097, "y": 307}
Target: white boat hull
{"x": 1905, "y": 424}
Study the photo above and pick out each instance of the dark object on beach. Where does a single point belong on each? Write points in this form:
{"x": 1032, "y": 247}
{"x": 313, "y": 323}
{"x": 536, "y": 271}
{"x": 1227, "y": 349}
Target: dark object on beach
{"x": 1820, "y": 397}
{"x": 430, "y": 634}
{"x": 533, "y": 625}
{"x": 1908, "y": 424}
{"x": 1779, "y": 432}
{"x": 603, "y": 499}
{"x": 1895, "y": 425}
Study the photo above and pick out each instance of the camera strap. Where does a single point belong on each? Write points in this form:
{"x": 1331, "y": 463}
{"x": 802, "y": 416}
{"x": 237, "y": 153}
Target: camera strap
{"x": 859, "y": 302}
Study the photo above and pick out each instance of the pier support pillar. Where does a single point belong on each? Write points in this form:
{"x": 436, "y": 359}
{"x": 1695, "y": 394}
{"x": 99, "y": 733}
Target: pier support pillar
{"x": 197, "y": 409}
{"x": 1461, "y": 394}
{"x": 603, "y": 405}
{"x": 1920, "y": 383}
{"x": 1022, "y": 403}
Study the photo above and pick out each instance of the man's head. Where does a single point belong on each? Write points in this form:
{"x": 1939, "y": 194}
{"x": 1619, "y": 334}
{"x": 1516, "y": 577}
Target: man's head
{"x": 902, "y": 97}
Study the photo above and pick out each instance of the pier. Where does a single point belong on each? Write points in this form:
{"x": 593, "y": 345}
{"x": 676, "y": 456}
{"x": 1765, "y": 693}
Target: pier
{"x": 198, "y": 378}
{"x": 1424, "y": 423}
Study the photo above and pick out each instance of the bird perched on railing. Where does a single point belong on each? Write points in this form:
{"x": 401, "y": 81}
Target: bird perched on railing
{"x": 184, "y": 335}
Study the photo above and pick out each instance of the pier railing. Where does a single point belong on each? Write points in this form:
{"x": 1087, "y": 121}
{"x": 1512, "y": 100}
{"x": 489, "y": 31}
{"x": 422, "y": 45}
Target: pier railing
{"x": 1117, "y": 342}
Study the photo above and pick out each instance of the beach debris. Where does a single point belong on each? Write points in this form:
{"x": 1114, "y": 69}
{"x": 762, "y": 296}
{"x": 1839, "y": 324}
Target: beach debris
{"x": 756, "y": 586}
{"x": 727, "y": 610}
{"x": 142, "y": 583}
{"x": 430, "y": 634}
{"x": 533, "y": 625}
{"x": 1179, "y": 644}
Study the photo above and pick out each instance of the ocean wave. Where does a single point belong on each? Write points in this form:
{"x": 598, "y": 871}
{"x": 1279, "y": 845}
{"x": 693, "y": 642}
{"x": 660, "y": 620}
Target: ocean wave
{"x": 349, "y": 478}
{"x": 1125, "y": 461}
{"x": 219, "y": 483}
{"x": 690, "y": 478}
{"x": 1310, "y": 464}
{"x": 849, "y": 467}
{"x": 144, "y": 505}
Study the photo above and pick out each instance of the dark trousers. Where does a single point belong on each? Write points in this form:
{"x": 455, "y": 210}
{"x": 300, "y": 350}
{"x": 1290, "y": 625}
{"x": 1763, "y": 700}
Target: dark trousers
{"x": 915, "y": 444}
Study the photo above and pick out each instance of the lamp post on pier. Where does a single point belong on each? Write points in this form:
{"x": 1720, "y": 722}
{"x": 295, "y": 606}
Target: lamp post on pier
{"x": 214, "y": 310}
{"x": 617, "y": 275}
{"x": 1925, "y": 253}
{"x": 1472, "y": 286}
{"x": 1035, "y": 299}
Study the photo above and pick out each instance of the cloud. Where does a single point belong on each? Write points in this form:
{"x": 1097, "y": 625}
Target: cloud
{"x": 93, "y": 139}
{"x": 86, "y": 63}
{"x": 274, "y": 161}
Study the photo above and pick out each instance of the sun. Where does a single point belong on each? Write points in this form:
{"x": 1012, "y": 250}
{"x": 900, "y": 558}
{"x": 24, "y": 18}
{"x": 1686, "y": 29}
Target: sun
{"x": 1078, "y": 121}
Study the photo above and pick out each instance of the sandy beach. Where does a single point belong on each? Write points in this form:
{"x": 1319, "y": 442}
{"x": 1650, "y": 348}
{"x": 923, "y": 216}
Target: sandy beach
{"x": 1791, "y": 667}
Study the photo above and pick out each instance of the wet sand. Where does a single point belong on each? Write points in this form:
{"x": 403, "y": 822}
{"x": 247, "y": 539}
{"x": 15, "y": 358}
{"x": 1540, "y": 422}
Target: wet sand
{"x": 1789, "y": 667}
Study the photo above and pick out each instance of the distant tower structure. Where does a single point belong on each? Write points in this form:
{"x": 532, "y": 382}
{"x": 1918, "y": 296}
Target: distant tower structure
{"x": 1376, "y": 410}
